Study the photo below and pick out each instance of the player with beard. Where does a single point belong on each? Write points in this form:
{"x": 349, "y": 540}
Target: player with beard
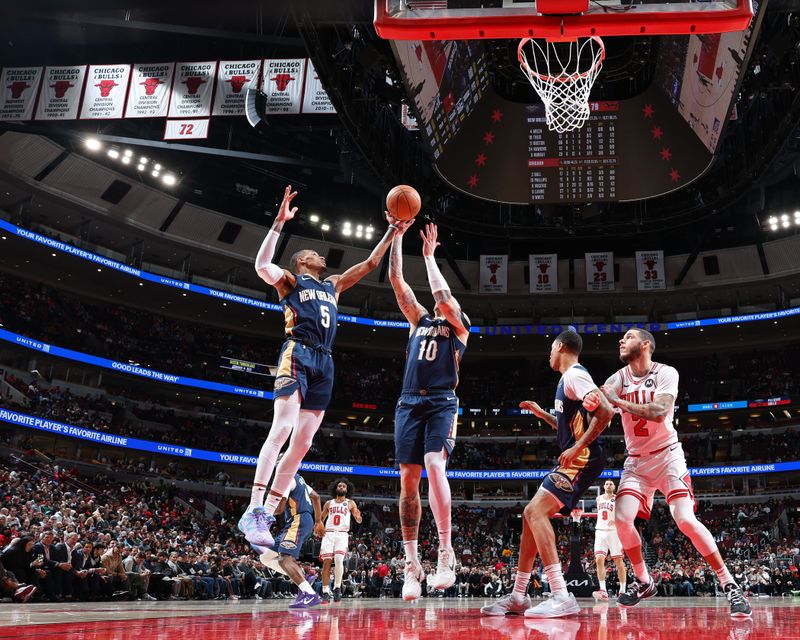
{"x": 606, "y": 541}
{"x": 304, "y": 379}
{"x": 335, "y": 533}
{"x": 644, "y": 392}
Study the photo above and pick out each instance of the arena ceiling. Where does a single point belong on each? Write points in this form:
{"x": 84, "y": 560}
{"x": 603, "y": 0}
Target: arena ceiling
{"x": 344, "y": 163}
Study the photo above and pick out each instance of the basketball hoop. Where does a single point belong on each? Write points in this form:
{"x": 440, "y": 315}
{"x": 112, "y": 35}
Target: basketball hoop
{"x": 576, "y": 514}
{"x": 562, "y": 73}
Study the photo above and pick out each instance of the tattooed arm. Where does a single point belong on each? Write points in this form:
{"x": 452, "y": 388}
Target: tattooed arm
{"x": 406, "y": 299}
{"x": 655, "y": 411}
{"x": 601, "y": 418}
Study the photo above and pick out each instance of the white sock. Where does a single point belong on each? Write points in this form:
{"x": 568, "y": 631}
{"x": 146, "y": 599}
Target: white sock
{"x": 410, "y": 547}
{"x": 622, "y": 586}
{"x": 724, "y": 576}
{"x": 521, "y": 585}
{"x": 306, "y": 588}
{"x": 439, "y": 495}
{"x": 555, "y": 577}
{"x": 641, "y": 572}
{"x": 326, "y": 588}
{"x": 602, "y": 585}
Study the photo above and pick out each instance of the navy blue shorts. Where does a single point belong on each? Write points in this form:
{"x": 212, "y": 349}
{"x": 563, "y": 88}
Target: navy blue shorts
{"x": 568, "y": 484}
{"x": 424, "y": 424}
{"x": 295, "y": 532}
{"x": 309, "y": 370}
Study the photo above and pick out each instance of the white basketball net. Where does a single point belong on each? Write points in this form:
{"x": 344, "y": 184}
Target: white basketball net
{"x": 562, "y": 73}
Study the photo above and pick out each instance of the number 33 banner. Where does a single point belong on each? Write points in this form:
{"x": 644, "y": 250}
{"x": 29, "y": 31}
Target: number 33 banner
{"x": 600, "y": 271}
{"x": 650, "y": 273}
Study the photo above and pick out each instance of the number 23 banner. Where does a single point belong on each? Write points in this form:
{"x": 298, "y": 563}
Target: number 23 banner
{"x": 600, "y": 271}
{"x": 650, "y": 274}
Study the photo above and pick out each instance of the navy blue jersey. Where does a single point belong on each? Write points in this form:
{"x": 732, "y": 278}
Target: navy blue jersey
{"x": 433, "y": 355}
{"x": 299, "y": 498}
{"x": 572, "y": 418}
{"x": 310, "y": 311}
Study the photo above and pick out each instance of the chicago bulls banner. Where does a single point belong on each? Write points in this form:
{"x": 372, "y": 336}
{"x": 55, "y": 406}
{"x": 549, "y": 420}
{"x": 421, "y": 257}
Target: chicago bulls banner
{"x": 106, "y": 86}
{"x": 61, "y": 93}
{"x": 283, "y": 84}
{"x": 543, "y": 273}
{"x": 234, "y": 78}
{"x": 650, "y": 274}
{"x": 18, "y": 87}
{"x": 493, "y": 274}
{"x": 600, "y": 271}
{"x": 148, "y": 96}
{"x": 315, "y": 98}
{"x": 192, "y": 89}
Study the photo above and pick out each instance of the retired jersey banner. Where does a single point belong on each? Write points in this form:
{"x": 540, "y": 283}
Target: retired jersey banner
{"x": 650, "y": 274}
{"x": 494, "y": 274}
{"x": 315, "y": 98}
{"x": 149, "y": 93}
{"x": 234, "y": 78}
{"x": 600, "y": 271}
{"x": 543, "y": 273}
{"x": 61, "y": 93}
{"x": 190, "y": 129}
{"x": 192, "y": 89}
{"x": 283, "y": 84}
{"x": 106, "y": 86}
{"x": 19, "y": 87}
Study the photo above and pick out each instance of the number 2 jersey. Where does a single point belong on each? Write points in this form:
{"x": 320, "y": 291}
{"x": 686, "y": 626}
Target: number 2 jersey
{"x": 644, "y": 436}
{"x": 310, "y": 311}
{"x": 338, "y": 516}
{"x": 433, "y": 355}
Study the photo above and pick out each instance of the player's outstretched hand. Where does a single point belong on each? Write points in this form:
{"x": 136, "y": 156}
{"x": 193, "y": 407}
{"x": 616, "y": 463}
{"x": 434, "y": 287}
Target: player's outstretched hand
{"x": 568, "y": 457}
{"x": 534, "y": 408}
{"x": 429, "y": 239}
{"x": 285, "y": 213}
{"x": 319, "y": 529}
{"x": 591, "y": 401}
{"x": 609, "y": 393}
{"x": 401, "y": 225}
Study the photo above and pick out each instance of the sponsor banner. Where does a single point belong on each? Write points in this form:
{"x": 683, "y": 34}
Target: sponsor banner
{"x": 106, "y": 87}
{"x": 315, "y": 98}
{"x": 493, "y": 274}
{"x": 650, "y": 274}
{"x": 740, "y": 404}
{"x": 191, "y": 89}
{"x": 234, "y": 78}
{"x": 19, "y": 86}
{"x": 191, "y": 129}
{"x": 127, "y": 367}
{"x": 543, "y": 271}
{"x": 148, "y": 96}
{"x": 491, "y": 330}
{"x": 600, "y": 271}
{"x": 283, "y": 84}
{"x": 99, "y": 437}
{"x": 61, "y": 93}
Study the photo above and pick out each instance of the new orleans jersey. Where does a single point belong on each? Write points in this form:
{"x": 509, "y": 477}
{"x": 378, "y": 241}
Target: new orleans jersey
{"x": 310, "y": 311}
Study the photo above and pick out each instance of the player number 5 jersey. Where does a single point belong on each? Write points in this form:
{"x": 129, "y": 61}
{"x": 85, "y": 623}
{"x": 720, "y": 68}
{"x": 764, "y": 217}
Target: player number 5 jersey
{"x": 605, "y": 513}
{"x": 310, "y": 311}
{"x": 338, "y": 516}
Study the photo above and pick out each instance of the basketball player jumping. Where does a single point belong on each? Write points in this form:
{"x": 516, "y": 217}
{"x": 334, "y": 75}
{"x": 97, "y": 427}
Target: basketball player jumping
{"x": 336, "y": 516}
{"x": 427, "y": 411}
{"x": 606, "y": 542}
{"x": 645, "y": 391}
{"x": 304, "y": 380}
{"x": 580, "y": 463}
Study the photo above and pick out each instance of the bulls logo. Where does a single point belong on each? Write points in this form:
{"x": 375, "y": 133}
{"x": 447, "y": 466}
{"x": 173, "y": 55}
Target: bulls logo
{"x": 561, "y": 481}
{"x": 61, "y": 87}
{"x": 650, "y": 264}
{"x": 543, "y": 267}
{"x": 193, "y": 83}
{"x": 237, "y": 83}
{"x": 105, "y": 87}
{"x": 150, "y": 85}
{"x": 599, "y": 265}
{"x": 282, "y": 80}
{"x": 17, "y": 88}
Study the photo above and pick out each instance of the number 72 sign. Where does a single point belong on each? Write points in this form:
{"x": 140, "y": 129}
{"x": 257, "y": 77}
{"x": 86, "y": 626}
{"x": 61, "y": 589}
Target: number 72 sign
{"x": 189, "y": 129}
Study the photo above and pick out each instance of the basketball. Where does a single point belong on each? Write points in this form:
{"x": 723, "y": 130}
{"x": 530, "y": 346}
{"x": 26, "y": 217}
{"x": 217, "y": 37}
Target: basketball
{"x": 403, "y": 202}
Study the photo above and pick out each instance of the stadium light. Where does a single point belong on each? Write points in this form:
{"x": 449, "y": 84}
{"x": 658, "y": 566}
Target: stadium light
{"x": 359, "y": 234}
{"x": 774, "y": 227}
{"x": 773, "y": 220}
{"x": 128, "y": 152}
{"x": 155, "y": 173}
{"x": 786, "y": 223}
{"x": 126, "y": 159}
{"x": 785, "y": 217}
{"x": 93, "y": 144}
{"x": 169, "y": 179}
{"x": 314, "y": 218}
{"x": 140, "y": 167}
{"x": 325, "y": 226}
{"x": 157, "y": 167}
{"x": 113, "y": 153}
{"x": 347, "y": 231}
{"x": 142, "y": 160}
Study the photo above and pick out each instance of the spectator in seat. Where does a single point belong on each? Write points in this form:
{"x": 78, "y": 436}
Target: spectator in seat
{"x": 112, "y": 562}
{"x": 87, "y": 581}
{"x": 19, "y": 560}
{"x": 56, "y": 576}
{"x": 138, "y": 576}
{"x": 10, "y": 587}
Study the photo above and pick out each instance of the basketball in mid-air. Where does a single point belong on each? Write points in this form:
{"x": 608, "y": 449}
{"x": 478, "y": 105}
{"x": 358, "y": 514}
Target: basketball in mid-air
{"x": 403, "y": 202}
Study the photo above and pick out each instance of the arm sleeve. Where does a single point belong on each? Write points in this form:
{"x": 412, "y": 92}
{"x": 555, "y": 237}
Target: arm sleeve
{"x": 268, "y": 271}
{"x": 578, "y": 383}
{"x": 668, "y": 382}
{"x": 435, "y": 277}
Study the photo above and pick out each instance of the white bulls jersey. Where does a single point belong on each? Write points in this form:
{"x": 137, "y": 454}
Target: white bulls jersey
{"x": 644, "y": 436}
{"x": 338, "y": 516}
{"x": 605, "y": 513}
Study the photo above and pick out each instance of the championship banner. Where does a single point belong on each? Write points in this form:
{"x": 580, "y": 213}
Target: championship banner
{"x": 106, "y": 87}
{"x": 600, "y": 271}
{"x": 315, "y": 98}
{"x": 283, "y": 84}
{"x": 192, "y": 89}
{"x": 148, "y": 96}
{"x": 234, "y": 78}
{"x": 19, "y": 88}
{"x": 494, "y": 274}
{"x": 61, "y": 93}
{"x": 543, "y": 271}
{"x": 650, "y": 274}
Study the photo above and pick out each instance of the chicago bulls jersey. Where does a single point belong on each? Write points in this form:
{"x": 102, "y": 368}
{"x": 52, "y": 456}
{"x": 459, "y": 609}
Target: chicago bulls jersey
{"x": 605, "y": 513}
{"x": 310, "y": 311}
{"x": 644, "y": 436}
{"x": 338, "y": 516}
